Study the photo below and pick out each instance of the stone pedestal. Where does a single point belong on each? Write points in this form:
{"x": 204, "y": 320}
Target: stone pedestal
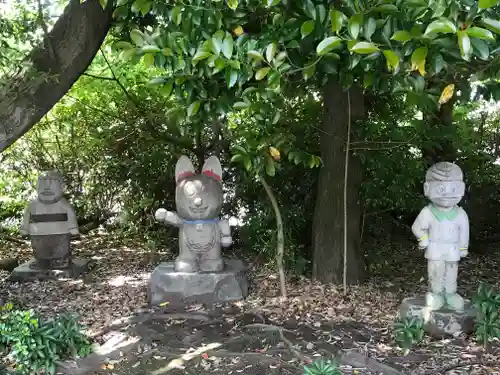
{"x": 25, "y": 273}
{"x": 167, "y": 285}
{"x": 440, "y": 323}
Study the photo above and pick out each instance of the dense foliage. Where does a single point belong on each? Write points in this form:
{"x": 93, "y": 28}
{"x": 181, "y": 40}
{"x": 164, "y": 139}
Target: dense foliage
{"x": 247, "y": 86}
{"x": 32, "y": 345}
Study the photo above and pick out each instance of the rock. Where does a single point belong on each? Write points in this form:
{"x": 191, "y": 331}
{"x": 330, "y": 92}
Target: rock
{"x": 440, "y": 323}
{"x": 25, "y": 273}
{"x": 168, "y": 285}
{"x": 8, "y": 264}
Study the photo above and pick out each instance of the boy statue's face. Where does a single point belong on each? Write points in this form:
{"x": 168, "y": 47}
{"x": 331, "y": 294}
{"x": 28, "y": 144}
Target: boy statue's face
{"x": 444, "y": 193}
{"x": 49, "y": 189}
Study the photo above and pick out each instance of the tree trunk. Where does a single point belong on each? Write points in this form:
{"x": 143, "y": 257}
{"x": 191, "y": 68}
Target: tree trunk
{"x": 328, "y": 224}
{"x": 52, "y": 68}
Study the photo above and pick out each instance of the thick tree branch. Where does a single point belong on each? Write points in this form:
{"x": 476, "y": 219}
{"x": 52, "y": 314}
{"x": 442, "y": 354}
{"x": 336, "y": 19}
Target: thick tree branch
{"x": 48, "y": 75}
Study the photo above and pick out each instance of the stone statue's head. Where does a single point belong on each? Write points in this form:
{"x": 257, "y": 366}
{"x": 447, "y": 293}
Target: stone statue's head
{"x": 198, "y": 196}
{"x": 444, "y": 184}
{"x": 49, "y": 187}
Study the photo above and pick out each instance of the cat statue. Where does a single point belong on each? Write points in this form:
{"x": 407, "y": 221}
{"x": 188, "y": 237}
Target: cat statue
{"x": 198, "y": 198}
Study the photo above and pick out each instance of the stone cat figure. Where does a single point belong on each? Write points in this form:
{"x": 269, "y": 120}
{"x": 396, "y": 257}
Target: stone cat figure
{"x": 198, "y": 199}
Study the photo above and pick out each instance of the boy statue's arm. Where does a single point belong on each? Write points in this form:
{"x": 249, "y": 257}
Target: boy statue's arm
{"x": 464, "y": 235}
{"x": 25, "y": 225}
{"x": 420, "y": 228}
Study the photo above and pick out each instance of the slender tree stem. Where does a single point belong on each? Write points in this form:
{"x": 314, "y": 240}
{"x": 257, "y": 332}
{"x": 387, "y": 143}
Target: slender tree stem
{"x": 346, "y": 166}
{"x": 280, "y": 247}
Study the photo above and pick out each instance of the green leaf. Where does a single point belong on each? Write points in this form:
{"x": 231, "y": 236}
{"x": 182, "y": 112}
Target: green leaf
{"x": 271, "y": 51}
{"x": 369, "y": 28}
{"x": 465, "y": 45}
{"x": 364, "y": 48}
{"x": 386, "y": 8}
{"x": 438, "y": 63}
{"x": 231, "y": 77}
{"x": 480, "y": 33}
{"x": 166, "y": 89}
{"x": 227, "y": 46}
{"x": 103, "y": 3}
{"x": 146, "y": 7}
{"x": 233, "y": 4}
{"x": 354, "y": 25}
{"x": 150, "y": 49}
{"x": 200, "y": 55}
{"x": 392, "y": 59}
{"x": 484, "y": 4}
{"x": 402, "y": 36}
{"x": 327, "y": 44}
{"x": 149, "y": 60}
{"x": 241, "y": 105}
{"x": 368, "y": 80}
{"x": 237, "y": 158}
{"x": 262, "y": 73}
{"x": 270, "y": 168}
{"x": 443, "y": 26}
{"x": 137, "y": 37}
{"x": 255, "y": 55}
{"x": 193, "y": 108}
{"x": 176, "y": 15}
{"x": 307, "y": 28}
{"x": 122, "y": 45}
{"x": 481, "y": 48}
{"x": 337, "y": 19}
{"x": 418, "y": 59}
{"x": 492, "y": 24}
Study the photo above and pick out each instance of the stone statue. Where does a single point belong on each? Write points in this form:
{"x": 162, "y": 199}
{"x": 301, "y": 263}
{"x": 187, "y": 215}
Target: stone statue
{"x": 442, "y": 229}
{"x": 198, "y": 198}
{"x": 50, "y": 221}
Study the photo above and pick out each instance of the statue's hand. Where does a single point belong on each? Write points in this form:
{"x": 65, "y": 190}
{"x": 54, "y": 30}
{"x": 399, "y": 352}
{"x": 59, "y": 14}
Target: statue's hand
{"x": 464, "y": 253}
{"x": 226, "y": 241}
{"x": 161, "y": 214}
{"x": 423, "y": 243}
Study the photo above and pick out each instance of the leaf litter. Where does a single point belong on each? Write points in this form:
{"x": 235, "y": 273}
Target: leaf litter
{"x": 263, "y": 332}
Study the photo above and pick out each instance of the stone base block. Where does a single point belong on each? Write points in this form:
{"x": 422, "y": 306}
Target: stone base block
{"x": 25, "y": 273}
{"x": 167, "y": 285}
{"x": 440, "y": 323}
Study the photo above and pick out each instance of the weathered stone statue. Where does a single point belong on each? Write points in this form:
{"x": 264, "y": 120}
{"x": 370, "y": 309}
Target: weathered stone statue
{"x": 199, "y": 274}
{"x": 198, "y": 199}
{"x": 50, "y": 221}
{"x": 442, "y": 229}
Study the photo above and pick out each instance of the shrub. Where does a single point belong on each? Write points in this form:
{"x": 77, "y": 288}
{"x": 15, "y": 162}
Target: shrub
{"x": 322, "y": 367}
{"x": 31, "y": 344}
{"x": 408, "y": 331}
{"x": 487, "y": 302}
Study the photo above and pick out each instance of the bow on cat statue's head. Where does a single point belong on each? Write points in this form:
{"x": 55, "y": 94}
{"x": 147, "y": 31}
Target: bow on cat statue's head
{"x": 198, "y": 196}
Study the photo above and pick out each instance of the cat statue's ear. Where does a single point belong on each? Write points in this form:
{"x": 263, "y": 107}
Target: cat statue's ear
{"x": 183, "y": 169}
{"x": 212, "y": 168}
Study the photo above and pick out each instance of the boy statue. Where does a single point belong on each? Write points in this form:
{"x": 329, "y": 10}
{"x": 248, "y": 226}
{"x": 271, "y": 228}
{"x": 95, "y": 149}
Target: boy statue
{"x": 50, "y": 221}
{"x": 442, "y": 229}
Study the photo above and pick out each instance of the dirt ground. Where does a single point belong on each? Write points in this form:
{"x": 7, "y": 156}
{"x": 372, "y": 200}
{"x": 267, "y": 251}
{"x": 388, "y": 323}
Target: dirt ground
{"x": 263, "y": 334}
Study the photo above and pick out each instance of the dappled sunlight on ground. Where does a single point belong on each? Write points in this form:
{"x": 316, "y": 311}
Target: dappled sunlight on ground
{"x": 315, "y": 320}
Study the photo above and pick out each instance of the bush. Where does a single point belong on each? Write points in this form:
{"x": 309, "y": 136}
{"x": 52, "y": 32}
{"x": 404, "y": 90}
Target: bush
{"x": 31, "y": 344}
{"x": 487, "y": 302}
